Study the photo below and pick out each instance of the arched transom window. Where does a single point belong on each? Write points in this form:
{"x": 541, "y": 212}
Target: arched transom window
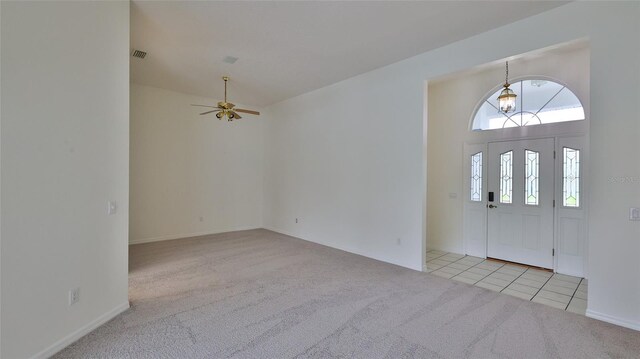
{"x": 539, "y": 101}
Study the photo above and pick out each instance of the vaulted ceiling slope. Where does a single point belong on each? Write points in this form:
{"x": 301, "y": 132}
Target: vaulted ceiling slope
{"x": 285, "y": 49}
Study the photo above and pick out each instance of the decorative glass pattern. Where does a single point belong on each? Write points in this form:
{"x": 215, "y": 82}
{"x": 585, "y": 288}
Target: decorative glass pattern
{"x": 571, "y": 177}
{"x": 476, "y": 177}
{"x": 531, "y": 177}
{"x": 540, "y": 101}
{"x": 506, "y": 177}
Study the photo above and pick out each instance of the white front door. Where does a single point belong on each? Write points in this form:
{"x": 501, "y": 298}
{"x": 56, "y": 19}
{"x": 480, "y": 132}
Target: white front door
{"x": 520, "y": 218}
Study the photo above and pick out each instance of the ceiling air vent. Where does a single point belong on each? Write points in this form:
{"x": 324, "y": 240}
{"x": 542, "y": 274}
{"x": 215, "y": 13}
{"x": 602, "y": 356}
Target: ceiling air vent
{"x": 230, "y": 59}
{"x": 139, "y": 54}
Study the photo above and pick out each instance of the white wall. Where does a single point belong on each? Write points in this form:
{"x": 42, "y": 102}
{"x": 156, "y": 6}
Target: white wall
{"x": 348, "y": 159}
{"x": 65, "y": 153}
{"x": 451, "y": 105}
{"x": 191, "y": 174}
{"x": 349, "y": 169}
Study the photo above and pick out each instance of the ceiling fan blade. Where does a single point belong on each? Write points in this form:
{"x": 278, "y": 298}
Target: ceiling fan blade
{"x": 205, "y": 106}
{"x": 204, "y": 113}
{"x": 251, "y": 112}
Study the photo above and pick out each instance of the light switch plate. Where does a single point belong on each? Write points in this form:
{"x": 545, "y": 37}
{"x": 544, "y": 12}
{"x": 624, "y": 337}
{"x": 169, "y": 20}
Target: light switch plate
{"x": 634, "y": 214}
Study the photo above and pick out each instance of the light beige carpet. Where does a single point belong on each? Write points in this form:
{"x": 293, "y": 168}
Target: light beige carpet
{"x": 259, "y": 294}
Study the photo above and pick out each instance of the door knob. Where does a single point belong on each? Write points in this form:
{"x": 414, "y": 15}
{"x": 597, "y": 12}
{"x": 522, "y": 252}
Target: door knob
{"x": 492, "y": 206}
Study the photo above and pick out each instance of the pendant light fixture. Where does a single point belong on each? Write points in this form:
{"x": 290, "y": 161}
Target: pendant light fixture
{"x": 507, "y": 98}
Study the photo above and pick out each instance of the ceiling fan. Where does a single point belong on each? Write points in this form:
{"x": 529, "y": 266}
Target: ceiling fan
{"x": 227, "y": 109}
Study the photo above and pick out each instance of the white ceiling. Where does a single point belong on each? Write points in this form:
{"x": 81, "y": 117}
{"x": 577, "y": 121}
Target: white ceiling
{"x": 289, "y": 48}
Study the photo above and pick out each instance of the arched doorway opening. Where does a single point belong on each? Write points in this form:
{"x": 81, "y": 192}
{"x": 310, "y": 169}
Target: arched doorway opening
{"x": 466, "y": 133}
{"x": 524, "y": 178}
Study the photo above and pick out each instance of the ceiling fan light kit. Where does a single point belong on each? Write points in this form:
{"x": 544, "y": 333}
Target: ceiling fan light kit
{"x": 227, "y": 109}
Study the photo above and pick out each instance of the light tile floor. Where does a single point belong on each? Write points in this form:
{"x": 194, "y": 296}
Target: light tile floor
{"x": 540, "y": 286}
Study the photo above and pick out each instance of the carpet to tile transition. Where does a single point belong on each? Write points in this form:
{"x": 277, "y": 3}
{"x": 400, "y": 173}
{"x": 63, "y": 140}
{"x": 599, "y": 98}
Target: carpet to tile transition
{"x": 260, "y": 294}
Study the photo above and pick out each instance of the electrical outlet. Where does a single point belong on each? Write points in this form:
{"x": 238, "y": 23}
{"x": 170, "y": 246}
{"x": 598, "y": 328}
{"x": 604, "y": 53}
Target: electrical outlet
{"x": 399, "y": 241}
{"x": 74, "y": 296}
{"x": 296, "y": 220}
{"x": 634, "y": 214}
{"x": 201, "y": 218}
{"x": 112, "y": 207}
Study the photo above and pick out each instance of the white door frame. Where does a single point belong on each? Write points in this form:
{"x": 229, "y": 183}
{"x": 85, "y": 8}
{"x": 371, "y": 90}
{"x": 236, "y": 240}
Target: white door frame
{"x": 577, "y": 138}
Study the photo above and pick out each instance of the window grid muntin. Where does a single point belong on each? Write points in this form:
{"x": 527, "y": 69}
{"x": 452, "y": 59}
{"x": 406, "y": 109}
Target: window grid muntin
{"x": 570, "y": 177}
{"x": 476, "y": 177}
{"x": 539, "y": 115}
{"x": 531, "y": 178}
{"x": 506, "y": 177}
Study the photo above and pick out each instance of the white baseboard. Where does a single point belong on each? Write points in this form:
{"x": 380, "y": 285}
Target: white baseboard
{"x": 281, "y": 231}
{"x": 188, "y": 235}
{"x": 613, "y": 320}
{"x": 448, "y": 250}
{"x": 418, "y": 268}
{"x": 71, "y": 338}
